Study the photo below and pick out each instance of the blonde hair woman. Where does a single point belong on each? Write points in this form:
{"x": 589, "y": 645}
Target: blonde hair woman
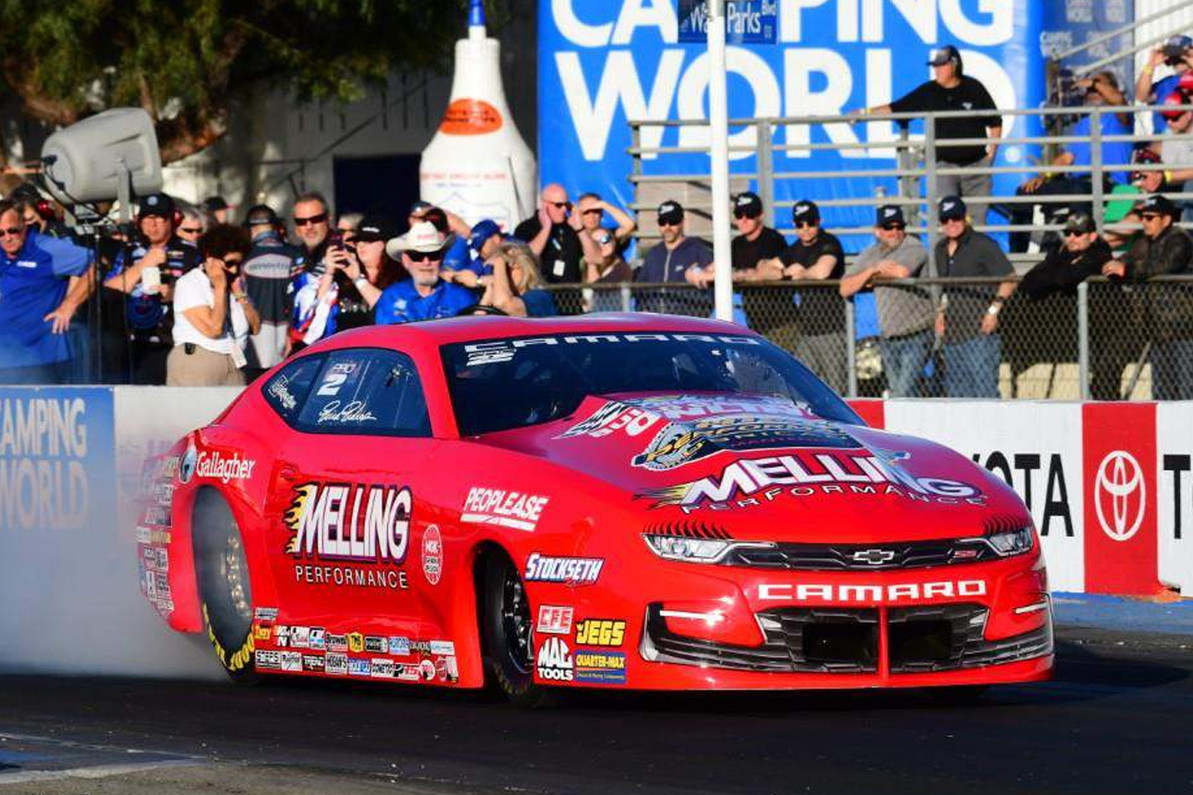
{"x": 515, "y": 287}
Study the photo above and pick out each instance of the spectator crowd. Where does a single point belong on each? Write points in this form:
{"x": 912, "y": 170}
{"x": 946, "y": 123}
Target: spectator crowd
{"x": 194, "y": 295}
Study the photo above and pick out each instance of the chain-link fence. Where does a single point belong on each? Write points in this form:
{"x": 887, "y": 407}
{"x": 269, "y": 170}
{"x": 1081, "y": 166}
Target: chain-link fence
{"x": 1107, "y": 341}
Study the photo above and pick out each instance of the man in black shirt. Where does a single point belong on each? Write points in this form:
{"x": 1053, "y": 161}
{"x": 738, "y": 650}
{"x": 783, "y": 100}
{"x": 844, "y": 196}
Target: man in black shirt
{"x": 555, "y": 242}
{"x": 951, "y": 90}
{"x": 819, "y": 322}
{"x": 967, "y": 318}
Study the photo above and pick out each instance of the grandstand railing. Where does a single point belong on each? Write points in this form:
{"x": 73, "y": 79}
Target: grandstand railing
{"x": 910, "y": 179}
{"x": 1100, "y": 343}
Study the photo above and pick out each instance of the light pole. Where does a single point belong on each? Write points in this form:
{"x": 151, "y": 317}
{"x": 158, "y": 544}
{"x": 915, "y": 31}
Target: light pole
{"x": 718, "y": 118}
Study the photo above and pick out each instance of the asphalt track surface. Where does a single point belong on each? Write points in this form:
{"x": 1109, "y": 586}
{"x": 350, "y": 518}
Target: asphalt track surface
{"x": 1118, "y": 718}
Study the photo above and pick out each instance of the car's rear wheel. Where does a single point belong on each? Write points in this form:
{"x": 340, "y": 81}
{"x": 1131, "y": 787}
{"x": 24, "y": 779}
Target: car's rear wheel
{"x": 507, "y": 633}
{"x": 225, "y": 593}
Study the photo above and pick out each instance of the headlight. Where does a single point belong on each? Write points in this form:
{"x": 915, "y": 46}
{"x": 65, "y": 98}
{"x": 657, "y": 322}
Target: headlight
{"x": 1014, "y": 542}
{"x": 695, "y": 550}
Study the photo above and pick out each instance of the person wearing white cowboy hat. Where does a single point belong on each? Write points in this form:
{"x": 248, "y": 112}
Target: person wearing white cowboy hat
{"x": 425, "y": 295}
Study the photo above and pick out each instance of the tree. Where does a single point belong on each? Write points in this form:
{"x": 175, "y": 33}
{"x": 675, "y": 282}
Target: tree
{"x": 184, "y": 62}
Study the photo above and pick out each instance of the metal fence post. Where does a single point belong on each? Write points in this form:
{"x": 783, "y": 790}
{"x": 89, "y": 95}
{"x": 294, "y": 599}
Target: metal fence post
{"x": 1097, "y": 175}
{"x": 1083, "y": 338}
{"x": 764, "y": 160}
{"x": 625, "y": 297}
{"x": 850, "y": 348}
{"x": 930, "y": 190}
{"x": 636, "y": 171}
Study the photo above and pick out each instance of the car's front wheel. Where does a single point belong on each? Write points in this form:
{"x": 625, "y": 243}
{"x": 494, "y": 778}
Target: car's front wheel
{"x": 225, "y": 593}
{"x": 507, "y": 633}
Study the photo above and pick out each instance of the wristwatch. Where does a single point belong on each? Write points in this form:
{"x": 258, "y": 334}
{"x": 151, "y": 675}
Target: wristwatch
{"x": 359, "y": 279}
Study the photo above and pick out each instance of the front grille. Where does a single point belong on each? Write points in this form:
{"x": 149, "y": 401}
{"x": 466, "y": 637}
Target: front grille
{"x": 846, "y": 640}
{"x": 863, "y": 557}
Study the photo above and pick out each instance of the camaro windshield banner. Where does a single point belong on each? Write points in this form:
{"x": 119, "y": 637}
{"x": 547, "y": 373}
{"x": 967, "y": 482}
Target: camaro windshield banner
{"x": 601, "y": 64}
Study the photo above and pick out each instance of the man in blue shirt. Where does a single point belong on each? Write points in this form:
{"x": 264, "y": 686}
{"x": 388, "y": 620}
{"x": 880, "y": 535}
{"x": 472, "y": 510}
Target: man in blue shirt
{"x": 669, "y": 261}
{"x": 43, "y": 280}
{"x": 425, "y": 295}
{"x": 1176, "y": 53}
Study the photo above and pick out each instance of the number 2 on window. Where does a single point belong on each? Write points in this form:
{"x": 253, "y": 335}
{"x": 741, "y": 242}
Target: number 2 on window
{"x": 331, "y": 384}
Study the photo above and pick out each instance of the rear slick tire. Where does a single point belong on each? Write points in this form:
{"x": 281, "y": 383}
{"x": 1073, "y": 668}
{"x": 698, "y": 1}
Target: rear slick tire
{"x": 507, "y": 635}
{"x": 225, "y": 594}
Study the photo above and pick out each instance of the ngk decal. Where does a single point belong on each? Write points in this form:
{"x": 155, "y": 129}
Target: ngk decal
{"x": 554, "y": 660}
{"x": 898, "y": 593}
{"x": 352, "y": 523}
{"x": 1120, "y": 504}
{"x": 753, "y": 481}
{"x": 506, "y": 508}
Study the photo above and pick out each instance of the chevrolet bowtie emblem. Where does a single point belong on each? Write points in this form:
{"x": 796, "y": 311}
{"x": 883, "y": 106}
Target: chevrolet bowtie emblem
{"x": 875, "y": 557}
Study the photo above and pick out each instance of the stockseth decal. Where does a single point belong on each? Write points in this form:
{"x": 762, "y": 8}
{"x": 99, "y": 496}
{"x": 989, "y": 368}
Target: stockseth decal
{"x": 573, "y": 571}
{"x": 682, "y": 443}
{"x": 506, "y": 508}
{"x": 750, "y": 482}
{"x": 600, "y": 632}
{"x": 554, "y": 620}
{"x": 554, "y": 661}
{"x": 599, "y": 667}
{"x": 899, "y": 593}
{"x": 349, "y": 522}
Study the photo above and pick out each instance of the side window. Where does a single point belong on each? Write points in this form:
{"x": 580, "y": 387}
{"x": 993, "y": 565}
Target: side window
{"x": 287, "y": 390}
{"x": 366, "y": 390}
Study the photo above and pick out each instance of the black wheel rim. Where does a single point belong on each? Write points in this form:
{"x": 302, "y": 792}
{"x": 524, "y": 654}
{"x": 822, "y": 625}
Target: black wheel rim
{"x": 235, "y": 574}
{"x": 515, "y": 621}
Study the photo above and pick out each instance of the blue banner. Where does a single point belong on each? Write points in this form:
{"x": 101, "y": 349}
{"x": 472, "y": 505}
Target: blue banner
{"x": 56, "y": 458}
{"x": 601, "y": 64}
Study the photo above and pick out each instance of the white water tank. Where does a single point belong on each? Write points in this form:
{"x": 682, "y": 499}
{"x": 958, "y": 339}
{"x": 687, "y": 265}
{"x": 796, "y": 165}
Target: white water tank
{"x": 477, "y": 165}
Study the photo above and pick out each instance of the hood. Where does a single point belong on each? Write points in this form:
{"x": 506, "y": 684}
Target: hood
{"x": 765, "y": 468}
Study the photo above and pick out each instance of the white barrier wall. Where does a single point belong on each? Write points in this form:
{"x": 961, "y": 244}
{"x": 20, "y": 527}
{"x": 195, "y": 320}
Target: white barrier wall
{"x": 70, "y": 460}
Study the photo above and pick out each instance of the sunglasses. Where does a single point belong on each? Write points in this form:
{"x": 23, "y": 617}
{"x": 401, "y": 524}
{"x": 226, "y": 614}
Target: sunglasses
{"x": 312, "y": 219}
{"x": 233, "y": 263}
{"x": 561, "y": 205}
{"x": 1073, "y": 233}
{"x": 740, "y": 214}
{"x": 425, "y": 256}
{"x": 190, "y": 230}
{"x": 604, "y": 241}
{"x": 892, "y": 227}
{"x": 1144, "y": 216}
{"x": 671, "y": 223}
{"x": 952, "y": 220}
{"x": 12, "y": 231}
{"x": 806, "y": 224}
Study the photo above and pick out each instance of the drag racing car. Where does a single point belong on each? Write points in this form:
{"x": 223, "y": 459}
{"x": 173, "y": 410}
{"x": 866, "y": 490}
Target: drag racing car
{"x": 611, "y": 501}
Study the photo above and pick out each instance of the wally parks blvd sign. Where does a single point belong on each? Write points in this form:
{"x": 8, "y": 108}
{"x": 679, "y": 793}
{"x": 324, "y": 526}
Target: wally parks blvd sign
{"x": 746, "y": 21}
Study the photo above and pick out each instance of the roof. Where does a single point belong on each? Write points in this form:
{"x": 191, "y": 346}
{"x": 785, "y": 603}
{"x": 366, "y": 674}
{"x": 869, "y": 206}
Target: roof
{"x": 471, "y": 328}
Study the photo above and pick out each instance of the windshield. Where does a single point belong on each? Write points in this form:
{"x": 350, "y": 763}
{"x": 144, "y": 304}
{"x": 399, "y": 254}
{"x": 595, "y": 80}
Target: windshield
{"x": 497, "y": 385}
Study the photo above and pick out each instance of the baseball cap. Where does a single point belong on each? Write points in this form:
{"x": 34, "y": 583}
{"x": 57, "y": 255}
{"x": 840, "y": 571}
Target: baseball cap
{"x": 1157, "y": 203}
{"x": 805, "y": 211}
{"x": 423, "y": 237}
{"x": 944, "y": 55}
{"x": 482, "y": 231}
{"x": 374, "y": 227}
{"x": 1176, "y": 46}
{"x": 157, "y": 204}
{"x": 261, "y": 215}
{"x": 747, "y": 205}
{"x": 420, "y": 207}
{"x": 1175, "y": 98}
{"x": 670, "y": 212}
{"x": 1081, "y": 222}
{"x": 889, "y": 214}
{"x": 26, "y": 191}
{"x": 214, "y": 203}
{"x": 952, "y": 207}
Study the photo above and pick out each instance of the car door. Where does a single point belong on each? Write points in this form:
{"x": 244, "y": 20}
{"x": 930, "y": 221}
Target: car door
{"x": 346, "y": 493}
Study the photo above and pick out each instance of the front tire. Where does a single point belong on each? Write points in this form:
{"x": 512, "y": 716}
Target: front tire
{"x": 225, "y": 593}
{"x": 507, "y": 633}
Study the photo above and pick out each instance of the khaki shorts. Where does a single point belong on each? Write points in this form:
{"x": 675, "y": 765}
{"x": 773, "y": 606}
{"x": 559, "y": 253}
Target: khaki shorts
{"x": 201, "y": 368}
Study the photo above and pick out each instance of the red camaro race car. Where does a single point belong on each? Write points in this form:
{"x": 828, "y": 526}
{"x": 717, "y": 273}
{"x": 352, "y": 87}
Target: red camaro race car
{"x": 617, "y": 501}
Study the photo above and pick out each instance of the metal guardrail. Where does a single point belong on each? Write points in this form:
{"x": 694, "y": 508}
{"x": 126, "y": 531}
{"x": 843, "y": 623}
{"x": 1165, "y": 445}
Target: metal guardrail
{"x": 912, "y": 180}
{"x": 1107, "y": 342}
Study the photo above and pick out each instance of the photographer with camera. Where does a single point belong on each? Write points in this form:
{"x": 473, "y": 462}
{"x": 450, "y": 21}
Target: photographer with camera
{"x": 143, "y": 274}
{"x": 1177, "y": 55}
{"x": 366, "y": 271}
{"x": 213, "y": 316}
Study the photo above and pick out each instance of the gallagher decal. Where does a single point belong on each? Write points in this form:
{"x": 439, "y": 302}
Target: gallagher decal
{"x": 750, "y": 482}
{"x": 349, "y": 522}
{"x": 213, "y": 465}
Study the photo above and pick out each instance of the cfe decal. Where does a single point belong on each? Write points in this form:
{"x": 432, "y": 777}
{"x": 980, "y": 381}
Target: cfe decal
{"x": 500, "y": 507}
{"x": 750, "y": 482}
{"x": 351, "y": 523}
